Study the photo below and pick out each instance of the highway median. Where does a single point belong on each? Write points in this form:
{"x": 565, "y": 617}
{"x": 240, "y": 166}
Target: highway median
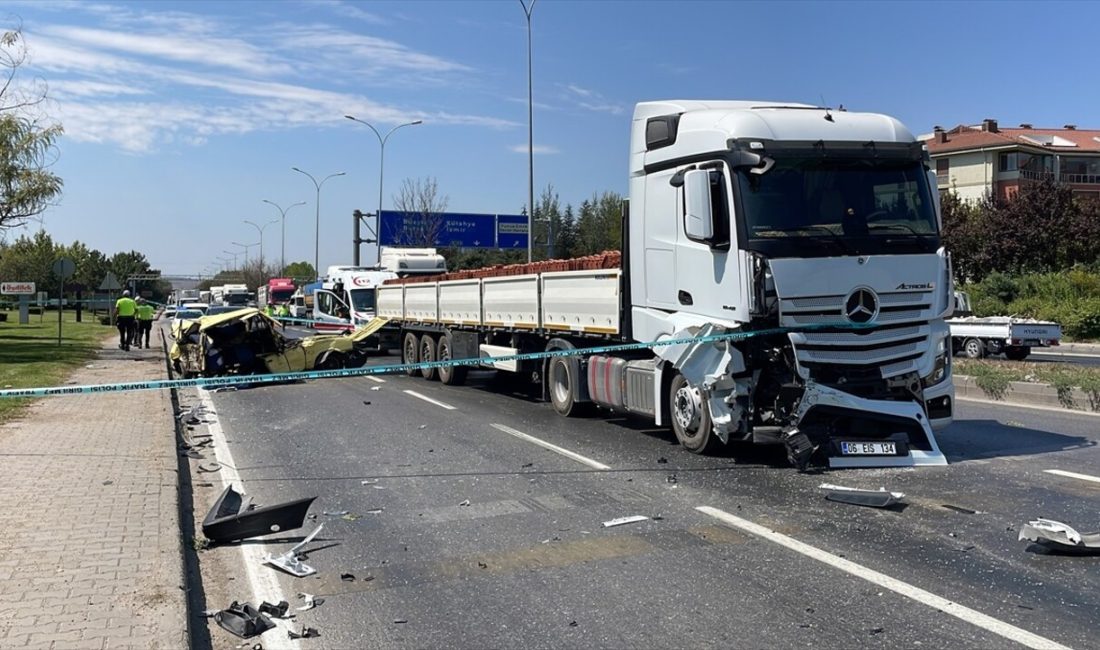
{"x": 1055, "y": 385}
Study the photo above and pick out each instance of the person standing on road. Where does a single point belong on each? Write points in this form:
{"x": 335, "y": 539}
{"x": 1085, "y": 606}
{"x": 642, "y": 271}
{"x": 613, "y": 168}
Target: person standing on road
{"x": 145, "y": 313}
{"x": 283, "y": 311}
{"x": 125, "y": 309}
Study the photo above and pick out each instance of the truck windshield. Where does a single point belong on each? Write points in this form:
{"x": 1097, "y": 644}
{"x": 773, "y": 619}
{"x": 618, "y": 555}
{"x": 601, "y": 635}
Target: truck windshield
{"x": 282, "y": 295}
{"x": 236, "y": 299}
{"x": 821, "y": 207}
{"x": 362, "y": 299}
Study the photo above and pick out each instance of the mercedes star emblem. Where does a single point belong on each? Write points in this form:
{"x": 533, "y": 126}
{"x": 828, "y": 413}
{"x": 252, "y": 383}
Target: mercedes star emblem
{"x": 861, "y": 306}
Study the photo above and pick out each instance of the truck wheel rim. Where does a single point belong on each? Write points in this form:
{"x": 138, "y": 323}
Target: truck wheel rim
{"x": 686, "y": 408}
{"x": 559, "y": 382}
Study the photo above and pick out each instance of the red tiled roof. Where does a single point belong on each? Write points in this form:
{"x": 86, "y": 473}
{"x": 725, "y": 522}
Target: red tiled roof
{"x": 964, "y": 137}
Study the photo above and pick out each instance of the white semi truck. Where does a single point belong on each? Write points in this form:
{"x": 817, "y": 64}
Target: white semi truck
{"x": 743, "y": 217}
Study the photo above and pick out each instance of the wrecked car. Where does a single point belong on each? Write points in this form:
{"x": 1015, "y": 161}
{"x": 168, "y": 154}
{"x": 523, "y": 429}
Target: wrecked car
{"x": 247, "y": 341}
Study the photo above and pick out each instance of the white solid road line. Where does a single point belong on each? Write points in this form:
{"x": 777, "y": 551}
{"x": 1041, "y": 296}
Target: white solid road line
{"x": 554, "y": 448}
{"x": 966, "y": 614}
{"x": 264, "y": 581}
{"x": 430, "y": 400}
{"x": 1083, "y": 477}
{"x": 377, "y": 380}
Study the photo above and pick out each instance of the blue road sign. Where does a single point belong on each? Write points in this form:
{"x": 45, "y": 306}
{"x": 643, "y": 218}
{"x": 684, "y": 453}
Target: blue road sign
{"x": 396, "y": 228}
{"x": 512, "y": 231}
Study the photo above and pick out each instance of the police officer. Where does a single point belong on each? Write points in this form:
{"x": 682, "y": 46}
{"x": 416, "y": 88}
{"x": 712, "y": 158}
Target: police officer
{"x": 283, "y": 311}
{"x": 145, "y": 313}
{"x": 269, "y": 309}
{"x": 125, "y": 310}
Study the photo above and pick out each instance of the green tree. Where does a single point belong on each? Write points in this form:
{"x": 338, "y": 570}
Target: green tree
{"x": 30, "y": 259}
{"x": 27, "y": 186}
{"x": 300, "y": 271}
{"x": 599, "y": 226}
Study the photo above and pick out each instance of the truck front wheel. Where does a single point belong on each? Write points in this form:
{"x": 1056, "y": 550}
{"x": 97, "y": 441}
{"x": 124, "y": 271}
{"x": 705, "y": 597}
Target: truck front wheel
{"x": 563, "y": 385}
{"x": 409, "y": 352}
{"x": 974, "y": 348}
{"x": 690, "y": 417}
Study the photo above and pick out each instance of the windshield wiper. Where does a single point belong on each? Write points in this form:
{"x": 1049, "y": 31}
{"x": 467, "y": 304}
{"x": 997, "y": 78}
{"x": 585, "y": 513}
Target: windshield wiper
{"x": 881, "y": 226}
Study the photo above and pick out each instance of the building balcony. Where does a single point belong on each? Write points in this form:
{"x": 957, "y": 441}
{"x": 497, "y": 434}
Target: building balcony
{"x": 1080, "y": 179}
{"x": 1027, "y": 174}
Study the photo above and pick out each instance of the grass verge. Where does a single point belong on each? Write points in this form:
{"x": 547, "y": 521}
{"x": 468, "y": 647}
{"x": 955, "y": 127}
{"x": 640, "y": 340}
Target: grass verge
{"x": 30, "y": 355}
{"x": 993, "y": 377}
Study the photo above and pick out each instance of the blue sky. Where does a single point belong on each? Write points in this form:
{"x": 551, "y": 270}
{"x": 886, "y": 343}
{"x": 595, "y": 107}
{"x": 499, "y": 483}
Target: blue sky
{"x": 181, "y": 117}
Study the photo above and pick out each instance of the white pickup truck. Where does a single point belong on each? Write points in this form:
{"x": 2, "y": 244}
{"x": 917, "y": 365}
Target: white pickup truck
{"x": 1013, "y": 337}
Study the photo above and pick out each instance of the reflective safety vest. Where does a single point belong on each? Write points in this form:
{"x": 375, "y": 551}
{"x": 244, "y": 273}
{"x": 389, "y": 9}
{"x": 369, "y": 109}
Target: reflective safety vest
{"x": 125, "y": 306}
{"x": 145, "y": 312}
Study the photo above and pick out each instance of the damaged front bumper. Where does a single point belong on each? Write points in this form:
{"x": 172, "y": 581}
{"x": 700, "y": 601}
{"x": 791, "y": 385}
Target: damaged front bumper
{"x": 858, "y": 432}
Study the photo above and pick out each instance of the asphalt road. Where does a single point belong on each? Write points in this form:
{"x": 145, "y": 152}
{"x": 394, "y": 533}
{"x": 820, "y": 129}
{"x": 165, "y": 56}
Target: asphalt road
{"x": 462, "y": 534}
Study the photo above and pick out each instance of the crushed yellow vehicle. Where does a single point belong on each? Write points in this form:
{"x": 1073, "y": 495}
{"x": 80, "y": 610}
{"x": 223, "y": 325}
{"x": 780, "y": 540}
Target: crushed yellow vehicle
{"x": 247, "y": 341}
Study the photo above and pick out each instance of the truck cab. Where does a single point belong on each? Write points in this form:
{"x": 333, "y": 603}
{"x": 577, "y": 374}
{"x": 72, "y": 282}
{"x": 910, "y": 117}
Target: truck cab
{"x": 407, "y": 262}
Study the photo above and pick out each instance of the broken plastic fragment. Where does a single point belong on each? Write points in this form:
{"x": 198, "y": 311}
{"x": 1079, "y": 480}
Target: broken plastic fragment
{"x": 278, "y": 611}
{"x": 879, "y": 498}
{"x": 465, "y": 503}
{"x": 231, "y": 518}
{"x": 1060, "y": 537}
{"x": 243, "y": 620}
{"x": 306, "y": 633}
{"x": 289, "y": 561}
{"x": 311, "y": 601}
{"x": 625, "y": 520}
{"x": 347, "y": 577}
{"x": 336, "y": 513}
{"x": 376, "y": 388}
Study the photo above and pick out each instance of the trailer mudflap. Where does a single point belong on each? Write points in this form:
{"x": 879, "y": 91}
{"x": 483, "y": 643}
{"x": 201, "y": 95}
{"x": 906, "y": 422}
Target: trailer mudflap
{"x": 891, "y": 419}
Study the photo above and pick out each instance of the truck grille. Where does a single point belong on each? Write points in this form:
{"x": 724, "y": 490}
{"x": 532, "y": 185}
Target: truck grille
{"x": 891, "y": 349}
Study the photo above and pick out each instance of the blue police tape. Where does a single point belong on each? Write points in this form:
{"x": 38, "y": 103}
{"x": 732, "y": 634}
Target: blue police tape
{"x": 235, "y": 380}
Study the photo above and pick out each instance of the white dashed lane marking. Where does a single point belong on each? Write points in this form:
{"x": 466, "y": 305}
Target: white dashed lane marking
{"x": 554, "y": 448}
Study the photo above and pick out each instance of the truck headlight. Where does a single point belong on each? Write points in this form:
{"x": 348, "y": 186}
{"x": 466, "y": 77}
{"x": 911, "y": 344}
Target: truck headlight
{"x": 941, "y": 367}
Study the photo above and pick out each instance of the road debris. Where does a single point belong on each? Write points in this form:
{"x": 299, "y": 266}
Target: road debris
{"x": 465, "y": 503}
{"x": 625, "y": 520}
{"x": 350, "y": 517}
{"x": 1056, "y": 536}
{"x": 243, "y": 620}
{"x": 369, "y": 481}
{"x": 376, "y": 388}
{"x": 306, "y": 633}
{"x": 336, "y": 513}
{"x": 212, "y": 466}
{"x": 422, "y": 426}
{"x": 310, "y": 600}
{"x": 879, "y": 498}
{"x": 662, "y": 461}
{"x": 232, "y": 518}
{"x": 278, "y": 611}
{"x": 289, "y": 561}
{"x": 965, "y": 511}
{"x": 347, "y": 577}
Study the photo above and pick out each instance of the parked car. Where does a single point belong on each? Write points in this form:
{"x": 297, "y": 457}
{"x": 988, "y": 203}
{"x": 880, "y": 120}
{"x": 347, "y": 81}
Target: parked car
{"x": 214, "y": 310}
{"x": 201, "y": 306}
{"x": 185, "y": 314}
{"x": 247, "y": 341}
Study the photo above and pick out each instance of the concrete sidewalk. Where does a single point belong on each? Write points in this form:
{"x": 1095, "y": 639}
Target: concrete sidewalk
{"x": 89, "y": 509}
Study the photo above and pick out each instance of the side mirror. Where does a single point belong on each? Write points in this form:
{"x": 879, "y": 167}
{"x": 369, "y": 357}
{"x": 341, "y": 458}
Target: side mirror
{"x": 698, "y": 212}
{"x": 933, "y": 185}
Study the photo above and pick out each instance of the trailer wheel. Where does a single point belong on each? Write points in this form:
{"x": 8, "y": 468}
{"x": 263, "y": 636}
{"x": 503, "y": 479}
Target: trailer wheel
{"x": 449, "y": 375}
{"x": 410, "y": 353}
{"x": 974, "y": 348}
{"x": 690, "y": 417}
{"x": 563, "y": 384}
{"x": 427, "y": 355}
{"x": 1017, "y": 352}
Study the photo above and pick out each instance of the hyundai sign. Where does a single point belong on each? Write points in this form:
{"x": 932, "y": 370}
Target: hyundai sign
{"x": 452, "y": 229}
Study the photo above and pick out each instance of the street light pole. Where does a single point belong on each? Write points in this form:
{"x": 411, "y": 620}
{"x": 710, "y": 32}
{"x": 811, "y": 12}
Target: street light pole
{"x": 261, "y": 231}
{"x": 317, "y": 224}
{"x": 234, "y": 254}
{"x": 382, "y": 153}
{"x": 282, "y": 211}
{"x": 245, "y": 247}
{"x": 527, "y": 9}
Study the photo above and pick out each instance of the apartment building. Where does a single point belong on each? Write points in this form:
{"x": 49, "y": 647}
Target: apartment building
{"x": 974, "y": 160}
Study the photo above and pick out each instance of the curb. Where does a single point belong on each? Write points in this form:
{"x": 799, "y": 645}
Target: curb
{"x": 1075, "y": 348}
{"x": 1027, "y": 394}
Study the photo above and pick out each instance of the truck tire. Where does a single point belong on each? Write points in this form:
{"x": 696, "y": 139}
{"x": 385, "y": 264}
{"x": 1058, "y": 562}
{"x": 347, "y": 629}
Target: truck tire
{"x": 449, "y": 375}
{"x": 410, "y": 353}
{"x": 427, "y": 355}
{"x": 1017, "y": 352}
{"x": 974, "y": 348}
{"x": 562, "y": 384}
{"x": 690, "y": 417}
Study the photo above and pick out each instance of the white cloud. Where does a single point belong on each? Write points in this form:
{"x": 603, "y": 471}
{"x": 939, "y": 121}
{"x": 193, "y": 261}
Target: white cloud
{"x": 589, "y": 100}
{"x": 64, "y": 89}
{"x": 578, "y": 90}
{"x": 350, "y": 11}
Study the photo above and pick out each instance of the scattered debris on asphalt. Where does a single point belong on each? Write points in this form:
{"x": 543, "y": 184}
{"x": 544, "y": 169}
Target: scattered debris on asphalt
{"x": 191, "y": 453}
{"x": 625, "y": 520}
{"x": 347, "y": 577}
{"x": 108, "y": 482}
{"x": 278, "y": 611}
{"x": 1056, "y": 536}
{"x": 879, "y": 498}
{"x": 422, "y": 426}
{"x": 310, "y": 600}
{"x": 662, "y": 460}
{"x": 289, "y": 561}
{"x": 212, "y": 466}
{"x": 369, "y": 481}
{"x": 243, "y": 620}
{"x": 526, "y": 465}
{"x": 400, "y": 620}
{"x": 965, "y": 511}
{"x": 465, "y": 503}
{"x": 366, "y": 403}
{"x": 376, "y": 388}
{"x": 232, "y": 518}
{"x": 225, "y": 389}
{"x": 671, "y": 478}
{"x": 350, "y": 517}
{"x": 306, "y": 633}
{"x": 335, "y": 513}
